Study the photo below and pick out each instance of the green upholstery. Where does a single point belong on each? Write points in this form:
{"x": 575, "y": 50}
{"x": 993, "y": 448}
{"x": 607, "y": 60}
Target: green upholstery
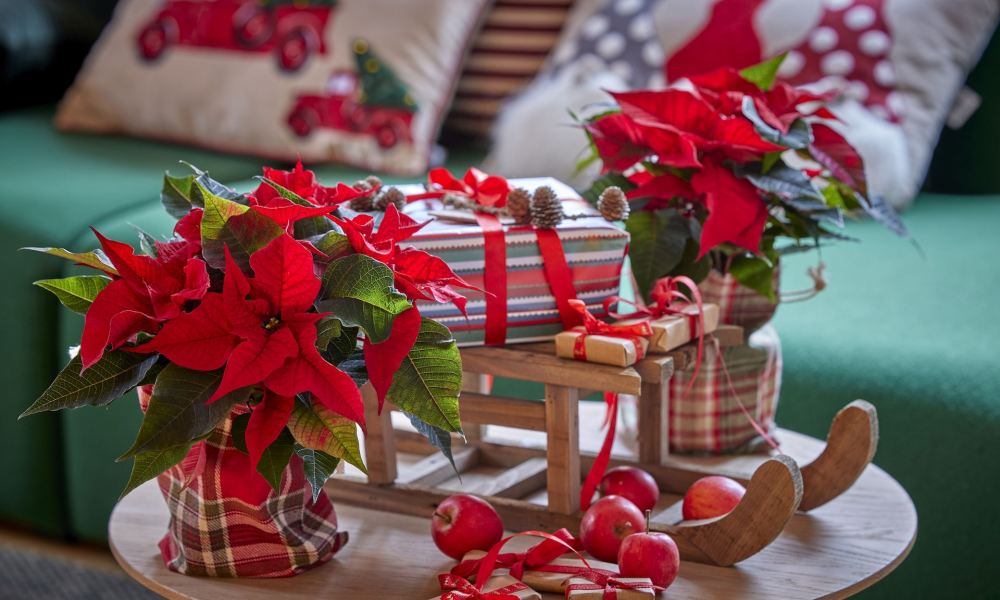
{"x": 907, "y": 331}
{"x": 916, "y": 336}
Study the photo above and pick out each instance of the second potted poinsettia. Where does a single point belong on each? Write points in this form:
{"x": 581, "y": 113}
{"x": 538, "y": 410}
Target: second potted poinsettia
{"x": 725, "y": 173}
{"x": 250, "y": 333}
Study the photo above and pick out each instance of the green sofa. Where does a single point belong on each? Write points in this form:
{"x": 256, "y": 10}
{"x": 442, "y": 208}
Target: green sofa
{"x": 907, "y": 329}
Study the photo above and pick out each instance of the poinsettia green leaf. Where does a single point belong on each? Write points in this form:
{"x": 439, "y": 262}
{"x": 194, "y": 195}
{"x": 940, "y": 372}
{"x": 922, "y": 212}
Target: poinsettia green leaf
{"x": 147, "y": 243}
{"x": 176, "y": 194}
{"x": 94, "y": 259}
{"x": 439, "y": 438}
{"x": 429, "y": 380}
{"x": 317, "y": 467}
{"x": 226, "y": 223}
{"x": 358, "y": 290}
{"x": 354, "y": 366}
{"x": 178, "y": 411}
{"x": 75, "y": 293}
{"x": 657, "y": 244}
{"x": 799, "y": 135}
{"x": 275, "y": 458}
{"x": 238, "y": 431}
{"x": 769, "y": 160}
{"x": 327, "y": 329}
{"x": 304, "y": 228}
{"x": 333, "y": 244}
{"x": 317, "y": 427}
{"x": 116, "y": 373}
{"x": 149, "y": 464}
{"x": 593, "y": 193}
{"x": 690, "y": 265}
{"x": 755, "y": 273}
{"x": 334, "y": 340}
{"x": 884, "y": 214}
{"x": 764, "y": 73}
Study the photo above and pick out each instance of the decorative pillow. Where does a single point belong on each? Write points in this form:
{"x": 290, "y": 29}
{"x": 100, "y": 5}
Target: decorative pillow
{"x": 365, "y": 82}
{"x": 898, "y": 65}
{"x": 509, "y": 51}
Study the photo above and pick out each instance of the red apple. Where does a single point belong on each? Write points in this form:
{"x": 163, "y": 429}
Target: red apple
{"x": 633, "y": 484}
{"x": 712, "y": 496}
{"x": 606, "y": 523}
{"x": 462, "y": 523}
{"x": 650, "y": 554}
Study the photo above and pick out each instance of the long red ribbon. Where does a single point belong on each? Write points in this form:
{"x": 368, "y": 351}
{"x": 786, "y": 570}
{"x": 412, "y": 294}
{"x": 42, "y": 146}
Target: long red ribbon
{"x": 597, "y": 470}
{"x": 495, "y": 278}
{"x": 533, "y": 559}
{"x": 558, "y": 274}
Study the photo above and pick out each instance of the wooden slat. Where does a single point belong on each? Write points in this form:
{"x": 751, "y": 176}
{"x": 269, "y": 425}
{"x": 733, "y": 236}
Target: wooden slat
{"x": 515, "y": 482}
{"x": 508, "y": 412}
{"x": 654, "y": 422}
{"x": 517, "y": 363}
{"x": 435, "y": 469}
{"x": 380, "y": 449}
{"x": 562, "y": 406}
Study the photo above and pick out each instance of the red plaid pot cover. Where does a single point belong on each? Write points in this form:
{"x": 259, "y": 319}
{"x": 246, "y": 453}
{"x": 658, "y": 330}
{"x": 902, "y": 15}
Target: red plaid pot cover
{"x": 228, "y": 522}
{"x": 705, "y": 418}
{"x": 738, "y": 305}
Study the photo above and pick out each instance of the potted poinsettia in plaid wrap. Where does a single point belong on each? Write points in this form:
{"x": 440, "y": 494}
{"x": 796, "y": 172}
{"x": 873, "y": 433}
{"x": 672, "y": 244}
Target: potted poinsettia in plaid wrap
{"x": 726, "y": 172}
{"x": 249, "y": 333}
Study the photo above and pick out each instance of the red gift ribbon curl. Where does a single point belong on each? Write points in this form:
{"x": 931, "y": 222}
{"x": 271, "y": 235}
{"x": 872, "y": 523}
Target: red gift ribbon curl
{"x": 594, "y": 326}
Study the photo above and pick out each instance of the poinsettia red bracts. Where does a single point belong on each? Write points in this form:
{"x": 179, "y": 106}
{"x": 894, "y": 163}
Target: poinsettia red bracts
{"x": 263, "y": 330}
{"x": 146, "y": 291}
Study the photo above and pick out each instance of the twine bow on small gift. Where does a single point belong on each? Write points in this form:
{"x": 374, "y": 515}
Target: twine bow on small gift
{"x": 594, "y": 326}
{"x": 459, "y": 588}
{"x": 609, "y": 584}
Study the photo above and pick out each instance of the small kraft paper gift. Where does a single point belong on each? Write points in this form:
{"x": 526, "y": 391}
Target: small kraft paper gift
{"x": 619, "y": 345}
{"x": 672, "y": 331}
{"x": 526, "y": 267}
{"x": 498, "y": 587}
{"x": 619, "y": 588}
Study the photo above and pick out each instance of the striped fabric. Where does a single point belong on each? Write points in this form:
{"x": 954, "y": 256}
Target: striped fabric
{"x": 706, "y": 418}
{"x": 228, "y": 522}
{"x": 516, "y": 38}
{"x": 595, "y": 250}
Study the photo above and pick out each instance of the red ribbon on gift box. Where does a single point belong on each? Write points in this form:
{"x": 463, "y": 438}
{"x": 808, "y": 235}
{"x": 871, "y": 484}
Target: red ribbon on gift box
{"x": 492, "y": 190}
{"x": 594, "y": 326}
{"x": 459, "y": 588}
{"x": 610, "y": 585}
{"x": 536, "y": 558}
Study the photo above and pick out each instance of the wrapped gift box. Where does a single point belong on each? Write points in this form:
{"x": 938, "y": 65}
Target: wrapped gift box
{"x": 578, "y": 588}
{"x": 594, "y": 249}
{"x": 548, "y": 581}
{"x": 673, "y": 331}
{"x": 501, "y": 584}
{"x": 603, "y": 349}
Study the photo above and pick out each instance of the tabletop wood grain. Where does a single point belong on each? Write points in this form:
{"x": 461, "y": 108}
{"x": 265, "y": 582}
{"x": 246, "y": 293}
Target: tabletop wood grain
{"x": 831, "y": 552}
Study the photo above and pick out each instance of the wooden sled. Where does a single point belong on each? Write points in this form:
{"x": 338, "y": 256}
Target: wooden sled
{"x": 537, "y": 486}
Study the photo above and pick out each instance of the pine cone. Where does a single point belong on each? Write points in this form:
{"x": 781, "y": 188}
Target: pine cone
{"x": 613, "y": 204}
{"x": 391, "y": 195}
{"x": 519, "y": 205}
{"x": 373, "y": 182}
{"x": 546, "y": 208}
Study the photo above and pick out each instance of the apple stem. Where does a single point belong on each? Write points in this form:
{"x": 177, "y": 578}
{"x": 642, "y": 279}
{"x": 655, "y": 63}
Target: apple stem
{"x": 444, "y": 517}
{"x": 648, "y": 513}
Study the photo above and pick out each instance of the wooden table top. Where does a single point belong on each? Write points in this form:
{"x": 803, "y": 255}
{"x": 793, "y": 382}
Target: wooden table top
{"x": 833, "y": 552}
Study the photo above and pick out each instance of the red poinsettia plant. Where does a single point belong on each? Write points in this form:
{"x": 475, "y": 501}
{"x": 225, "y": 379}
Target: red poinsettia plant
{"x": 272, "y": 300}
{"x": 728, "y": 171}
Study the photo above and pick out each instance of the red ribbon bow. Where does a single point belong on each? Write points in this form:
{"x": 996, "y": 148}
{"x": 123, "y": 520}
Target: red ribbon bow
{"x": 484, "y": 189}
{"x": 610, "y": 584}
{"x": 459, "y": 588}
{"x": 594, "y": 326}
{"x": 534, "y": 559}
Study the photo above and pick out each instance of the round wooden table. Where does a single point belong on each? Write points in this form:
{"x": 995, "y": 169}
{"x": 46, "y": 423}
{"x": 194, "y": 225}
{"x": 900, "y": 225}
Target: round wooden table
{"x": 832, "y": 552}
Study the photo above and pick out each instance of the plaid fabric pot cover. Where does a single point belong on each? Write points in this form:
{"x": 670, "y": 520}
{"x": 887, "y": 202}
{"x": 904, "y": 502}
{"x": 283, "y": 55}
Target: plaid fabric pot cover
{"x": 738, "y": 304}
{"x": 706, "y": 418}
{"x": 226, "y": 521}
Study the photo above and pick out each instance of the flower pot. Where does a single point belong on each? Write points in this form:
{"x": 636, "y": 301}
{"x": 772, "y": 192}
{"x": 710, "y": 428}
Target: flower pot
{"x": 707, "y": 417}
{"x": 738, "y": 304}
{"x": 226, "y": 521}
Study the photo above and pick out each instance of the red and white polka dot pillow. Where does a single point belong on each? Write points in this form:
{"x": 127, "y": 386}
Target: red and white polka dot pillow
{"x": 899, "y": 64}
